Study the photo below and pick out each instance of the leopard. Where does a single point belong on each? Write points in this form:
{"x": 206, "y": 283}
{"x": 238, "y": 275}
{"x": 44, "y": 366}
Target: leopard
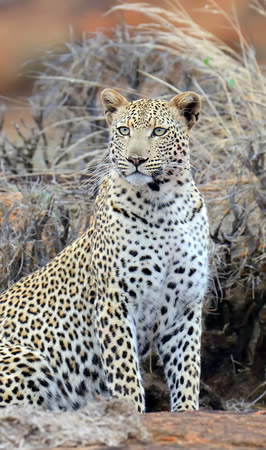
{"x": 134, "y": 283}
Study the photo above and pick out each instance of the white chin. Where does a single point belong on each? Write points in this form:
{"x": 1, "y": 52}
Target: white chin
{"x": 138, "y": 179}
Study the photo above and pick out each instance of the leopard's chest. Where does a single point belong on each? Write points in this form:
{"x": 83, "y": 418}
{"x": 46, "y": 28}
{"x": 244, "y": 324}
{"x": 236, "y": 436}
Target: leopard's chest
{"x": 150, "y": 258}
{"x": 164, "y": 256}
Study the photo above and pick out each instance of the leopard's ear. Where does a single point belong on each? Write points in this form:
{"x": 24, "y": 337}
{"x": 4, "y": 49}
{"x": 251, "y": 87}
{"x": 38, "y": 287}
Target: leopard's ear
{"x": 112, "y": 101}
{"x": 188, "y": 105}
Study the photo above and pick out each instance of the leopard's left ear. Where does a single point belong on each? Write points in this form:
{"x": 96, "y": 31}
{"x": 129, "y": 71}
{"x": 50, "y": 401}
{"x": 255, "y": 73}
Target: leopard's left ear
{"x": 112, "y": 101}
{"x": 188, "y": 105}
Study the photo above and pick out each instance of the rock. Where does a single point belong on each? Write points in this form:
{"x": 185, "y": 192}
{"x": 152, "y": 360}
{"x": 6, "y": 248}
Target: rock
{"x": 205, "y": 430}
{"x": 115, "y": 424}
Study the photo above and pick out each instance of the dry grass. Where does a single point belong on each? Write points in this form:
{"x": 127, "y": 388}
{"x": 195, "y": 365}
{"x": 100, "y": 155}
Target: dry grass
{"x": 169, "y": 55}
{"x": 108, "y": 423}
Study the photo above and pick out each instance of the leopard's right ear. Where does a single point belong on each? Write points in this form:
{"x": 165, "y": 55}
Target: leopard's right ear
{"x": 188, "y": 105}
{"x": 112, "y": 101}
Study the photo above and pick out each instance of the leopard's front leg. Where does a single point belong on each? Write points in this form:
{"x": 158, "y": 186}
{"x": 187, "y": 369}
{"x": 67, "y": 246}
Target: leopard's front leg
{"x": 179, "y": 349}
{"x": 116, "y": 333}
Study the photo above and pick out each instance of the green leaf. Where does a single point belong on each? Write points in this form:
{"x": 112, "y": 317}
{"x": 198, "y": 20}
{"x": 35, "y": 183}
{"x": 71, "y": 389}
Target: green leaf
{"x": 230, "y": 83}
{"x": 45, "y": 196}
{"x": 206, "y": 61}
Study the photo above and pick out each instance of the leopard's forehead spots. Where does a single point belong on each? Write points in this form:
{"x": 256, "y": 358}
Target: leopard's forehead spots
{"x": 144, "y": 113}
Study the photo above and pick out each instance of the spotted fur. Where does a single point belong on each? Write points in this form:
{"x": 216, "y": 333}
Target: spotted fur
{"x": 134, "y": 282}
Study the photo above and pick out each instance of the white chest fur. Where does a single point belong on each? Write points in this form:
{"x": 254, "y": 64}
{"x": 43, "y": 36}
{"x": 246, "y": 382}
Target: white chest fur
{"x": 163, "y": 256}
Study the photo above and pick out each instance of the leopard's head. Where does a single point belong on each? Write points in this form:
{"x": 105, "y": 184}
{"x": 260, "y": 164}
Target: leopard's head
{"x": 149, "y": 138}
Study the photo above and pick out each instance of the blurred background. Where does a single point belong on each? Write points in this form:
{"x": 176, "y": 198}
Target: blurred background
{"x": 29, "y": 26}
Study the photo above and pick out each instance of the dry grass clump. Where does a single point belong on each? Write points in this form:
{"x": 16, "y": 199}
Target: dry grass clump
{"x": 108, "y": 423}
{"x": 163, "y": 57}
{"x": 38, "y": 219}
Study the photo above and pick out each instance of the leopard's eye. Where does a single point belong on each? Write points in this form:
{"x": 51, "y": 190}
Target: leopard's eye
{"x": 124, "y": 131}
{"x": 159, "y": 131}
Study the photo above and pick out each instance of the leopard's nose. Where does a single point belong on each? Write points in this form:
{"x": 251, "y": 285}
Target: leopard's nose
{"x": 137, "y": 161}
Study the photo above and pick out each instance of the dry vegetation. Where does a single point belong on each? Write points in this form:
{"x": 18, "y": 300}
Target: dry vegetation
{"x": 50, "y": 173}
{"x": 103, "y": 423}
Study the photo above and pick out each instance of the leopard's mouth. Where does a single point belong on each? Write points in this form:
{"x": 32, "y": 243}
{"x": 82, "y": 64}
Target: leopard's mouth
{"x": 138, "y": 179}
{"x": 140, "y": 176}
